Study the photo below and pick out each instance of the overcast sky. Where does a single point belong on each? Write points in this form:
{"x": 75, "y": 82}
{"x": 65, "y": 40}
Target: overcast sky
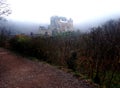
{"x": 79, "y": 10}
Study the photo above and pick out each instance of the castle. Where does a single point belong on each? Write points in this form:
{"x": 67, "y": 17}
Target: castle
{"x": 57, "y": 24}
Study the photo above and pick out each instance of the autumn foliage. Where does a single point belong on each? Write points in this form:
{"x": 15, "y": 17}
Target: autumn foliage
{"x": 95, "y": 54}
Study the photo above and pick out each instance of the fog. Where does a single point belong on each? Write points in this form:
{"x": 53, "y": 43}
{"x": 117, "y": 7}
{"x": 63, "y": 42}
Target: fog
{"x": 28, "y": 15}
{"x": 80, "y": 11}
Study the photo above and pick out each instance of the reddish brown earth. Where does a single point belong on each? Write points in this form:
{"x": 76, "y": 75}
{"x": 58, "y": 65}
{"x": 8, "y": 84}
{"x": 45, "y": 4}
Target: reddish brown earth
{"x": 19, "y": 72}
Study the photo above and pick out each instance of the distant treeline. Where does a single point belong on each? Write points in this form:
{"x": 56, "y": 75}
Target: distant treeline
{"x": 96, "y": 54}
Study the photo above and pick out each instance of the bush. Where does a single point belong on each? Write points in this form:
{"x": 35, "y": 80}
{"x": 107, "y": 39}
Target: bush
{"x": 96, "y": 53}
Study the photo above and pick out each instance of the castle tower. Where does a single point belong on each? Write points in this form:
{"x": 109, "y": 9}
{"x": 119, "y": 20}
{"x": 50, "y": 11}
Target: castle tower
{"x": 61, "y": 24}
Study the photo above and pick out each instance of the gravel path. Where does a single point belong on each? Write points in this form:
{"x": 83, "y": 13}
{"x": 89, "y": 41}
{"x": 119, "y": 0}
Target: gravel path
{"x": 19, "y": 72}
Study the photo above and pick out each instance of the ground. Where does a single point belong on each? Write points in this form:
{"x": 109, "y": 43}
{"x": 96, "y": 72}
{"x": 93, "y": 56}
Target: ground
{"x": 20, "y": 72}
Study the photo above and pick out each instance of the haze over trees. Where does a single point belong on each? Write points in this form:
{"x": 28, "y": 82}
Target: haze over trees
{"x": 96, "y": 53}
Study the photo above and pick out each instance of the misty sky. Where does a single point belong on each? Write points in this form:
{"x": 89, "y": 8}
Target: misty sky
{"x": 79, "y": 10}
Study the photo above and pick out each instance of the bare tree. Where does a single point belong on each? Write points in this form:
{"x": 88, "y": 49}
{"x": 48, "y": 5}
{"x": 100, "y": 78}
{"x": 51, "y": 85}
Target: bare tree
{"x": 4, "y": 8}
{"x": 4, "y": 11}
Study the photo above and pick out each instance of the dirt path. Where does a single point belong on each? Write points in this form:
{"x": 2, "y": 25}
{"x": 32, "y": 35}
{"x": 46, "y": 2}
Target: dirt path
{"x": 18, "y": 72}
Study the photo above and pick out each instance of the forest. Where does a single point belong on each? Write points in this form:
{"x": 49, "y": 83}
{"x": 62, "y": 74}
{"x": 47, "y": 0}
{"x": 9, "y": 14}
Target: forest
{"x": 94, "y": 54}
